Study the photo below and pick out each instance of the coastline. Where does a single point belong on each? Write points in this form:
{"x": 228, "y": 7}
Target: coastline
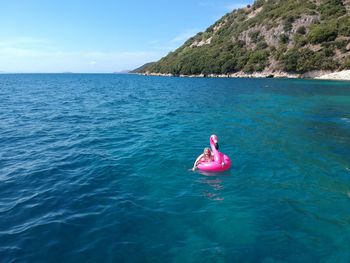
{"x": 341, "y": 75}
{"x": 320, "y": 75}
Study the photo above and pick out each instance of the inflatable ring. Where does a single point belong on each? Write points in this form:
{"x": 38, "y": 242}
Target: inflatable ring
{"x": 221, "y": 161}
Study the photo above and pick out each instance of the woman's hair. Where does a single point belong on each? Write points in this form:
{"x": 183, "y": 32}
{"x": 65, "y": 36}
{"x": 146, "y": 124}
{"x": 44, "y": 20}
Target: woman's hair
{"x": 206, "y": 149}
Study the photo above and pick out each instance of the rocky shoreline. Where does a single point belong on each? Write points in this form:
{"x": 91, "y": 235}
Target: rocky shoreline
{"x": 341, "y": 75}
{"x": 323, "y": 75}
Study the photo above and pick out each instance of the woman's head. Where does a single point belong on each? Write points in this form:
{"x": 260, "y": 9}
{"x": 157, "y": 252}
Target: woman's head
{"x": 207, "y": 151}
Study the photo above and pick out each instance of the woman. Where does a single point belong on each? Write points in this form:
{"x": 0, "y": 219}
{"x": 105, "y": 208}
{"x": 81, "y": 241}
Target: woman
{"x": 206, "y": 156}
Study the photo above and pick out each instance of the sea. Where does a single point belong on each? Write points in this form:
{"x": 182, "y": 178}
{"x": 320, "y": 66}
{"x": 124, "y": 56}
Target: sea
{"x": 97, "y": 168}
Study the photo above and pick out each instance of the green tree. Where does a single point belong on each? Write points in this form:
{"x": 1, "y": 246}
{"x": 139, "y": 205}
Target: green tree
{"x": 290, "y": 60}
{"x": 323, "y": 32}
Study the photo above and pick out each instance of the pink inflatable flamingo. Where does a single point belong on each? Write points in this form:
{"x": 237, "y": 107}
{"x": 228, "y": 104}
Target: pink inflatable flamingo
{"x": 221, "y": 161}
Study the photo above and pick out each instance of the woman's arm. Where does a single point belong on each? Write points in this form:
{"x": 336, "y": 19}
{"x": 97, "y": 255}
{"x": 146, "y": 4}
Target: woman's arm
{"x": 196, "y": 162}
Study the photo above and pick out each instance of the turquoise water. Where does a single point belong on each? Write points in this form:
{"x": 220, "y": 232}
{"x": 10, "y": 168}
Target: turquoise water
{"x": 95, "y": 168}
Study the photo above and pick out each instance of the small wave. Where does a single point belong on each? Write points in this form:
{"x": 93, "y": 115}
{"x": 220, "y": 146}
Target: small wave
{"x": 212, "y": 196}
{"x": 17, "y": 203}
{"x": 347, "y": 120}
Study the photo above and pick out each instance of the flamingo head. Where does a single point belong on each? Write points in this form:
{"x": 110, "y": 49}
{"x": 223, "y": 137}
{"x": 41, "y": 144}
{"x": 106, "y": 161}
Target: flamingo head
{"x": 214, "y": 140}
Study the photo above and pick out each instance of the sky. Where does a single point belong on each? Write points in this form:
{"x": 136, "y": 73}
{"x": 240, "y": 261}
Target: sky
{"x": 99, "y": 36}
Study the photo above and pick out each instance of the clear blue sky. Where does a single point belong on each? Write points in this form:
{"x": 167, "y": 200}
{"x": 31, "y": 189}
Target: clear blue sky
{"x": 99, "y": 36}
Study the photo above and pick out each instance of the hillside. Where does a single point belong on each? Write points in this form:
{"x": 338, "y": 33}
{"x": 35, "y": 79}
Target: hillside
{"x": 142, "y": 68}
{"x": 293, "y": 36}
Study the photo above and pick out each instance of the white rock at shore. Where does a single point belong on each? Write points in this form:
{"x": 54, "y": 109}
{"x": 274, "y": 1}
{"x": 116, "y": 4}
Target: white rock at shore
{"x": 341, "y": 75}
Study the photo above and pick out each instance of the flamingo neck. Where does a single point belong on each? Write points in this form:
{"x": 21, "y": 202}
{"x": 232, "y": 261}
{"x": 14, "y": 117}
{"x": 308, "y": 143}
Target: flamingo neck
{"x": 213, "y": 148}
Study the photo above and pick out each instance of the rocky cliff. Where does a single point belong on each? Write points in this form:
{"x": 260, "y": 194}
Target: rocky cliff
{"x": 267, "y": 37}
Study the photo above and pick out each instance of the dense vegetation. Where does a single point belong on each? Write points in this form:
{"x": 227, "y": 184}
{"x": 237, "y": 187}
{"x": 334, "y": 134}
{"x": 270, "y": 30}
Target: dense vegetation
{"x": 142, "y": 68}
{"x": 287, "y": 35}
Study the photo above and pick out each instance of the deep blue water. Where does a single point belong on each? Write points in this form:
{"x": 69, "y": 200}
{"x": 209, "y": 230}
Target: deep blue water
{"x": 95, "y": 168}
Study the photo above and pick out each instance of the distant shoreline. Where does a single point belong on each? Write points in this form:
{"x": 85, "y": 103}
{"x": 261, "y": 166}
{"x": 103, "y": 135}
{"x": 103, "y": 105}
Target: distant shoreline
{"x": 321, "y": 75}
{"x": 316, "y": 75}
